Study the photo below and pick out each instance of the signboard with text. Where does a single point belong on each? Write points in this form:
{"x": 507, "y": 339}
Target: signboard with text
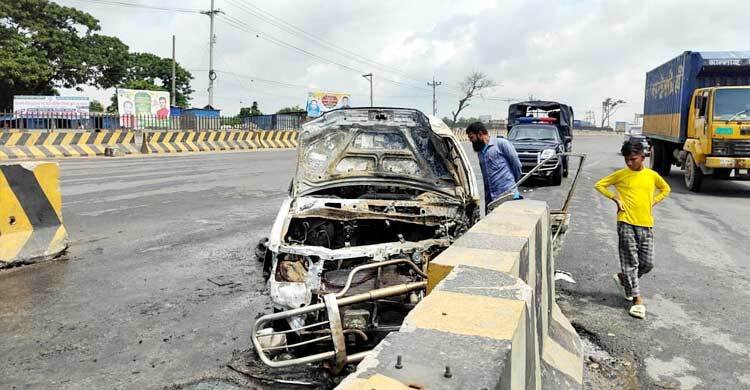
{"x": 51, "y": 106}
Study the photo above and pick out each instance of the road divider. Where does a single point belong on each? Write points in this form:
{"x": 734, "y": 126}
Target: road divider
{"x": 31, "y": 225}
{"x": 41, "y": 144}
{"x": 213, "y": 141}
{"x": 489, "y": 320}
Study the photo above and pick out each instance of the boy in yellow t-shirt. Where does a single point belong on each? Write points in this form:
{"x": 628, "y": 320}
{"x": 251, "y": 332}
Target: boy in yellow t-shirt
{"x": 636, "y": 186}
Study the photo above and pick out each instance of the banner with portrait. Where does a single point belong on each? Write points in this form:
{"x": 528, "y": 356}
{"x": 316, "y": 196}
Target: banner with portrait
{"x": 140, "y": 108}
{"x": 322, "y": 102}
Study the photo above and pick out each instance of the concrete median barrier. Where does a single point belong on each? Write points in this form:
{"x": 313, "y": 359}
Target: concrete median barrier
{"x": 31, "y": 226}
{"x": 489, "y": 318}
{"x": 41, "y": 144}
{"x": 214, "y": 141}
{"x": 275, "y": 139}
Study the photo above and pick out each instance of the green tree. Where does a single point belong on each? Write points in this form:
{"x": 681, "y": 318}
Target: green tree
{"x": 44, "y": 46}
{"x": 250, "y": 111}
{"x": 95, "y": 106}
{"x": 158, "y": 71}
{"x": 287, "y": 110}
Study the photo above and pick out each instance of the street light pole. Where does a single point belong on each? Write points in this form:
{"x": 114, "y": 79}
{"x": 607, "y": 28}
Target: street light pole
{"x": 211, "y": 73}
{"x": 434, "y": 84}
{"x": 368, "y": 76}
{"x": 174, "y": 90}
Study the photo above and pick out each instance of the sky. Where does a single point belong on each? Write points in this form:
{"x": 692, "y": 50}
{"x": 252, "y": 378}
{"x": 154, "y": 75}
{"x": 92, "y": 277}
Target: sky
{"x": 274, "y": 52}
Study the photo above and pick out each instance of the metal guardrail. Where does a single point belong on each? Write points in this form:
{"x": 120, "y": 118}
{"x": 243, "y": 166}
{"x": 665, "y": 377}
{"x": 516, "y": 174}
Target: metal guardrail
{"x": 559, "y": 217}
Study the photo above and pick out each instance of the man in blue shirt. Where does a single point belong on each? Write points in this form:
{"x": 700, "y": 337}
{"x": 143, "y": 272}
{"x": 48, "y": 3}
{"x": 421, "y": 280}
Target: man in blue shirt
{"x": 501, "y": 168}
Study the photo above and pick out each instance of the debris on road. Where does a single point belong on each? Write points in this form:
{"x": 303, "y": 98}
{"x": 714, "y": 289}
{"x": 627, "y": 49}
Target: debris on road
{"x": 564, "y": 276}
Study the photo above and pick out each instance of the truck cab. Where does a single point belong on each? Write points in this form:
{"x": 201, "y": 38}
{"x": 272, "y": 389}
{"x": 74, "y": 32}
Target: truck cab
{"x": 718, "y": 135}
{"x": 697, "y": 116}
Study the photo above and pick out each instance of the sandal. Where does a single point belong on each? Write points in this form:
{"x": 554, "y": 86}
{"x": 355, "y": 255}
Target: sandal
{"x": 638, "y": 311}
{"x": 621, "y": 287}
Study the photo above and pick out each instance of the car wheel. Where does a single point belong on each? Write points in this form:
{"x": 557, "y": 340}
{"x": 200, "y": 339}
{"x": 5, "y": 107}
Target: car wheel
{"x": 556, "y": 178}
{"x": 693, "y": 174}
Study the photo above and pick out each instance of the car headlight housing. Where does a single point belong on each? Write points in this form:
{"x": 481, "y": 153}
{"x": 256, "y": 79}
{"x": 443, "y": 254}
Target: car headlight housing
{"x": 547, "y": 153}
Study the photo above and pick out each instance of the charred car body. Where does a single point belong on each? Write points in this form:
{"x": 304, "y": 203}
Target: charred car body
{"x": 377, "y": 194}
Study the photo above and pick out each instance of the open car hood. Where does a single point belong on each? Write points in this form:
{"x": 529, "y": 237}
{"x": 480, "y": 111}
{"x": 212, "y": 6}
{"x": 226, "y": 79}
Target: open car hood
{"x": 390, "y": 146}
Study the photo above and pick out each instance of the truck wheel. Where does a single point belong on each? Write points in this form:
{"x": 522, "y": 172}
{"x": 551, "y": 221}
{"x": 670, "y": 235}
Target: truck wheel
{"x": 660, "y": 160}
{"x": 693, "y": 174}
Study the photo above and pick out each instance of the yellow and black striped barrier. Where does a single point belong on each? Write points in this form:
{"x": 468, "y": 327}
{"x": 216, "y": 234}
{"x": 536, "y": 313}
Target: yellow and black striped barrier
{"x": 491, "y": 303}
{"x": 31, "y": 226}
{"x": 277, "y": 139}
{"x": 39, "y": 144}
{"x": 180, "y": 141}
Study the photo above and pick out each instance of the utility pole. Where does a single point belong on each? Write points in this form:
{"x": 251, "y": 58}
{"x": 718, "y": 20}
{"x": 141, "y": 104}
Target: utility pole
{"x": 434, "y": 85}
{"x": 211, "y": 73}
{"x": 368, "y": 76}
{"x": 174, "y": 71}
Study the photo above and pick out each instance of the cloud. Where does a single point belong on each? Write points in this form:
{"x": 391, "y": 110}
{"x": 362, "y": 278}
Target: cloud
{"x": 578, "y": 52}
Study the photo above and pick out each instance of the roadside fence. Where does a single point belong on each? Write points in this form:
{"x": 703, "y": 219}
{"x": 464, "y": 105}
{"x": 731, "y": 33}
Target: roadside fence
{"x": 108, "y": 121}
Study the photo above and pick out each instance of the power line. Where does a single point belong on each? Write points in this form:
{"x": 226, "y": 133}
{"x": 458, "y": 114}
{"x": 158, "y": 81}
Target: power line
{"x": 296, "y": 31}
{"x": 143, "y": 6}
{"x": 242, "y": 26}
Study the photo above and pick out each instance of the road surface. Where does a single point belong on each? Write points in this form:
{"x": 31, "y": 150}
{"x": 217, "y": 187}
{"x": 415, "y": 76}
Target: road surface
{"x": 696, "y": 332}
{"x": 133, "y": 307}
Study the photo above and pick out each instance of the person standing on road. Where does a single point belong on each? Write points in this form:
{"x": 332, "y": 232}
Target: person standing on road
{"x": 501, "y": 168}
{"x": 636, "y": 196}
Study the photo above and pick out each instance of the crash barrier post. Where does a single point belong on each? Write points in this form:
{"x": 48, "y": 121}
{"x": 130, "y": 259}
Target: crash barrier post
{"x": 40, "y": 144}
{"x": 31, "y": 226}
{"x": 178, "y": 141}
{"x": 489, "y": 320}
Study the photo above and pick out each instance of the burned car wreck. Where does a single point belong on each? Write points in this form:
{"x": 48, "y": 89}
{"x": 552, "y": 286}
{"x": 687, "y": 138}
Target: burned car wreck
{"x": 377, "y": 194}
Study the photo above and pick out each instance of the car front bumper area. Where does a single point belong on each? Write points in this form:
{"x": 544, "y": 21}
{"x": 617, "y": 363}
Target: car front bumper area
{"x": 529, "y": 160}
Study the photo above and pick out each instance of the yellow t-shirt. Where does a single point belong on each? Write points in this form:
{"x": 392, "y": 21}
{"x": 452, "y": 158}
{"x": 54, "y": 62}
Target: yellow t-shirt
{"x": 636, "y": 190}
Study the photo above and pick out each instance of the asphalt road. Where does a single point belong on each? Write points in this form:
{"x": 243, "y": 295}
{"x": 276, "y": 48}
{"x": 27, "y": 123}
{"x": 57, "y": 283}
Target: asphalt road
{"x": 696, "y": 332}
{"x": 132, "y": 306}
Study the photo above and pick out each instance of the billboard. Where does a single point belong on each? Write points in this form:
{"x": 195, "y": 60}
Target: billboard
{"x": 321, "y": 102}
{"x": 138, "y": 106}
{"x": 51, "y": 106}
{"x": 139, "y": 102}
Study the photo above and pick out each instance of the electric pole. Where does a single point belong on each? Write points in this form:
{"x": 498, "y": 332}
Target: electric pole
{"x": 434, "y": 85}
{"x": 368, "y": 76}
{"x": 211, "y": 73}
{"x": 174, "y": 71}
